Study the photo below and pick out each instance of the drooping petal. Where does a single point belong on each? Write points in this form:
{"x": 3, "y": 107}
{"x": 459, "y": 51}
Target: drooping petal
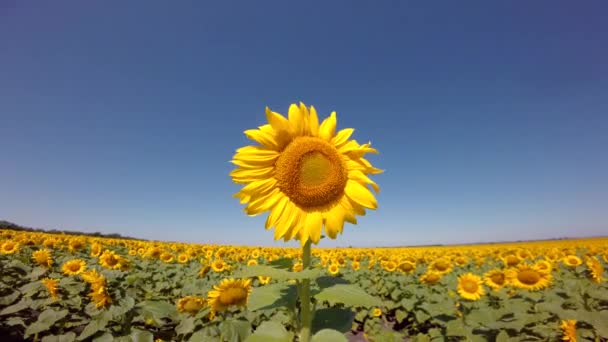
{"x": 327, "y": 130}
{"x": 263, "y": 138}
{"x": 334, "y": 221}
{"x": 360, "y": 177}
{"x": 342, "y": 137}
{"x": 313, "y": 122}
{"x": 313, "y": 227}
{"x": 360, "y": 194}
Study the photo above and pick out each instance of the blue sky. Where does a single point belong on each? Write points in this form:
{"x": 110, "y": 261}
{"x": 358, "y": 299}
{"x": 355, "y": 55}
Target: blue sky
{"x": 491, "y": 118}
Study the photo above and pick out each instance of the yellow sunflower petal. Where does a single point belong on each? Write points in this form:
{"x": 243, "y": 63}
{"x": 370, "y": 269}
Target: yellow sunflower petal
{"x": 327, "y": 130}
{"x": 313, "y": 122}
{"x": 360, "y": 194}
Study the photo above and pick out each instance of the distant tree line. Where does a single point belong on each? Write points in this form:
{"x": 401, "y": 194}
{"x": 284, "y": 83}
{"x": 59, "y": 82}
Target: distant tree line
{"x": 13, "y": 226}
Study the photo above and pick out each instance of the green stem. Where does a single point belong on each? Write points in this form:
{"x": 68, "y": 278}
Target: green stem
{"x": 306, "y": 316}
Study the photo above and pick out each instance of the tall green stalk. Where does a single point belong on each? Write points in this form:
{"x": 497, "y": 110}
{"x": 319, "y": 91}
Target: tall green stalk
{"x": 305, "y": 313}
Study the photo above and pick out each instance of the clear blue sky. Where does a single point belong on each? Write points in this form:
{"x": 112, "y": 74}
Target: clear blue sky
{"x": 121, "y": 116}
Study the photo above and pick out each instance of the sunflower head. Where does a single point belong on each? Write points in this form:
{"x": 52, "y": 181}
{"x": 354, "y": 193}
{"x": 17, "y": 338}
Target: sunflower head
{"x": 305, "y": 175}
{"x": 495, "y": 279}
{"x": 376, "y": 312}
{"x": 191, "y": 304}
{"x": 529, "y": 278}
{"x": 42, "y": 257}
{"x": 568, "y": 330}
{"x": 229, "y": 292}
{"x": 470, "y": 286}
{"x": 74, "y": 266}
{"x": 572, "y": 260}
{"x": 430, "y": 277}
{"x": 595, "y": 269}
{"x": 9, "y": 247}
{"x": 333, "y": 269}
{"x": 51, "y": 286}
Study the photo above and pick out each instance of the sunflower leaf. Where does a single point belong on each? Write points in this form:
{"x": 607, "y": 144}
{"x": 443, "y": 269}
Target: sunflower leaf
{"x": 272, "y": 296}
{"x": 329, "y": 335}
{"x": 277, "y": 274}
{"x": 270, "y": 332}
{"x": 348, "y": 294}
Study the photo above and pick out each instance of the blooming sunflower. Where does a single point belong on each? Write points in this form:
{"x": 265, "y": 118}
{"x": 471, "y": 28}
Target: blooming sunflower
{"x": 42, "y": 257}
{"x": 305, "y": 174}
{"x": 430, "y": 277}
{"x": 203, "y": 271}
{"x": 441, "y": 265}
{"x": 183, "y": 258}
{"x": 568, "y": 330}
{"x": 595, "y": 269}
{"x": 230, "y": 292}
{"x": 528, "y": 277}
{"x": 355, "y": 265}
{"x": 407, "y": 267}
{"x": 264, "y": 280}
{"x": 219, "y": 266}
{"x": 572, "y": 260}
{"x": 333, "y": 269}
{"x": 191, "y": 304}
{"x": 377, "y": 312}
{"x": 543, "y": 266}
{"x": 389, "y": 266}
{"x": 495, "y": 279}
{"x": 470, "y": 286}
{"x": 167, "y": 257}
{"x": 9, "y": 247}
{"x": 109, "y": 259}
{"x": 51, "y": 286}
{"x": 74, "y": 266}
{"x": 252, "y": 262}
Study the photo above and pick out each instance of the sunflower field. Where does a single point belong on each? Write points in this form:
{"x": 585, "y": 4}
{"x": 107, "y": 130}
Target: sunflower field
{"x": 76, "y": 288}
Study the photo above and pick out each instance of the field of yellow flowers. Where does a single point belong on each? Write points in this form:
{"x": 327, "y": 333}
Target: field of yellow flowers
{"x": 74, "y": 288}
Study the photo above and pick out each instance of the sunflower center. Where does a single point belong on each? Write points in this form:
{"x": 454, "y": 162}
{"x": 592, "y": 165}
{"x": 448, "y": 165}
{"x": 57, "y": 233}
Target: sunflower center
{"x": 233, "y": 296}
{"x": 442, "y": 265}
{"x": 311, "y": 173}
{"x": 498, "y": 278}
{"x": 528, "y": 277}
{"x": 192, "y": 305}
{"x": 74, "y": 267}
{"x": 470, "y": 286}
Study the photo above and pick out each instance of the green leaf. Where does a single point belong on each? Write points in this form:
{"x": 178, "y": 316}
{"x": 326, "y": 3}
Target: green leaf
{"x": 185, "y": 327}
{"x": 141, "y": 336}
{"x": 455, "y": 328}
{"x": 158, "y": 309}
{"x": 276, "y": 273}
{"x": 235, "y": 330}
{"x": 36, "y": 273}
{"x": 282, "y": 263}
{"x": 327, "y": 281}
{"x": 272, "y": 296}
{"x": 69, "y": 337}
{"x": 45, "y": 320}
{"x": 401, "y": 315}
{"x": 502, "y": 336}
{"x": 98, "y": 323}
{"x": 9, "y": 299}
{"x": 350, "y": 295}
{"x": 329, "y": 335}
{"x": 270, "y": 332}
{"x": 31, "y": 289}
{"x": 106, "y": 337}
{"x": 336, "y": 319}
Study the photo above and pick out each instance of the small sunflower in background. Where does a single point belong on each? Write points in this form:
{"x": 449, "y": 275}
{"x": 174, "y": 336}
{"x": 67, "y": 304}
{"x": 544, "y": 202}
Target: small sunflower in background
{"x": 9, "y": 247}
{"x": 572, "y": 261}
{"x": 229, "y": 292}
{"x": 470, "y": 286}
{"x": 51, "y": 286}
{"x": 183, "y": 258}
{"x": 74, "y": 267}
{"x": 496, "y": 279}
{"x": 191, "y": 304}
{"x": 305, "y": 174}
{"x": 595, "y": 269}
{"x": 43, "y": 257}
{"x": 333, "y": 269}
{"x": 430, "y": 277}
{"x": 264, "y": 280}
{"x": 376, "y": 312}
{"x": 568, "y": 330}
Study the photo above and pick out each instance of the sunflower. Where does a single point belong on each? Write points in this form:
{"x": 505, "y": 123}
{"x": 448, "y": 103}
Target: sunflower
{"x": 441, "y": 265}
{"x": 305, "y": 175}
{"x": 96, "y": 249}
{"x": 43, "y": 257}
{"x": 568, "y": 330}
{"x": 51, "y": 286}
{"x": 252, "y": 262}
{"x": 543, "y": 266}
{"x": 511, "y": 260}
{"x": 430, "y": 277}
{"x": 230, "y": 292}
{"x": 389, "y": 266}
{"x": 9, "y": 247}
{"x": 572, "y": 260}
{"x": 76, "y": 244}
{"x": 191, "y": 304}
{"x": 183, "y": 258}
{"x": 94, "y": 278}
{"x": 113, "y": 261}
{"x": 100, "y": 296}
{"x": 333, "y": 269}
{"x": 377, "y": 312}
{"x": 407, "y": 267}
{"x": 219, "y": 266}
{"x": 470, "y": 286}
{"x": 595, "y": 269}
{"x": 297, "y": 267}
{"x": 264, "y": 280}
{"x": 74, "y": 267}
{"x": 167, "y": 257}
{"x": 132, "y": 252}
{"x": 203, "y": 271}
{"x": 355, "y": 265}
{"x": 495, "y": 279}
{"x": 529, "y": 278}
{"x": 461, "y": 260}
